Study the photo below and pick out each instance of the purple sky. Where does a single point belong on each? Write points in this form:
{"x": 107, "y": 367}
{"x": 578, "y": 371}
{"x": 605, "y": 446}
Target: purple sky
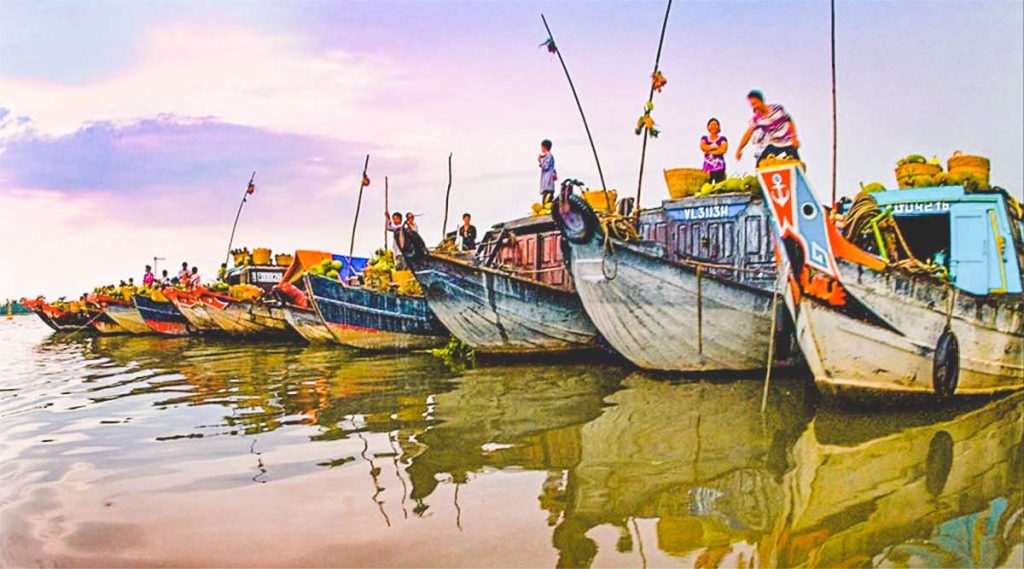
{"x": 128, "y": 130}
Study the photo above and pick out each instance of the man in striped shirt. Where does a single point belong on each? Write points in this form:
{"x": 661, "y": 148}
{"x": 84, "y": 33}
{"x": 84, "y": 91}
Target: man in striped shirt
{"x": 771, "y": 130}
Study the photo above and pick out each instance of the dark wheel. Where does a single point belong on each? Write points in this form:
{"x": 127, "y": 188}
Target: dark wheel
{"x": 946, "y": 365}
{"x": 575, "y": 218}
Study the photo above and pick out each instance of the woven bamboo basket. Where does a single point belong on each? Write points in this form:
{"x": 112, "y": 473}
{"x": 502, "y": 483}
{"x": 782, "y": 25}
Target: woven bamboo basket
{"x": 261, "y": 256}
{"x": 906, "y": 172}
{"x": 242, "y": 258}
{"x": 684, "y": 182}
{"x": 963, "y": 163}
{"x": 282, "y": 260}
{"x": 597, "y": 200}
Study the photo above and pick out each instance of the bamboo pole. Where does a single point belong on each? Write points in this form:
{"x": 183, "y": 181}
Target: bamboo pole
{"x": 771, "y": 340}
{"x": 579, "y": 106}
{"x": 650, "y": 99}
{"x": 245, "y": 196}
{"x": 447, "y": 194}
{"x": 387, "y": 213}
{"x": 355, "y": 221}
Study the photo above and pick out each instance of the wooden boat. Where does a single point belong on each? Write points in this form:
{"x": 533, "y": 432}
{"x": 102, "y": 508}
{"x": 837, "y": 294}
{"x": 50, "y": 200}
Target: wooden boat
{"x": 872, "y": 319}
{"x": 111, "y": 321}
{"x": 691, "y": 291}
{"x": 257, "y": 317}
{"x": 162, "y": 316}
{"x": 73, "y": 316}
{"x": 513, "y": 297}
{"x": 371, "y": 320}
{"x": 191, "y": 306}
{"x": 293, "y": 293}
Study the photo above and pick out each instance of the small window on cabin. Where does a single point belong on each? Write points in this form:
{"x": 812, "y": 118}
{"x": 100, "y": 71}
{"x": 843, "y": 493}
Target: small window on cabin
{"x": 696, "y": 235}
{"x": 681, "y": 238}
{"x": 752, "y": 235}
{"x": 714, "y": 240}
{"x": 727, "y": 239}
{"x": 660, "y": 233}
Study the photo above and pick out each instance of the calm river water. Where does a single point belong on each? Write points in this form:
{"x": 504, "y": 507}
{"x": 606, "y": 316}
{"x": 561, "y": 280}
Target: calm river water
{"x": 140, "y": 451}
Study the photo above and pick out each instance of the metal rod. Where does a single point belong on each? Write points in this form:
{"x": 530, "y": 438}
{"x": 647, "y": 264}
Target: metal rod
{"x": 237, "y": 215}
{"x": 586, "y": 127}
{"x": 387, "y": 212}
{"x": 447, "y": 194}
{"x": 834, "y": 126}
{"x": 771, "y": 341}
{"x": 650, "y": 99}
{"x": 359, "y": 203}
{"x": 700, "y": 312}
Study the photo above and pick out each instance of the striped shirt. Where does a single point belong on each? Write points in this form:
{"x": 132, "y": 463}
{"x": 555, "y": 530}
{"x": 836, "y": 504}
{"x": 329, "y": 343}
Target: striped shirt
{"x": 772, "y": 129}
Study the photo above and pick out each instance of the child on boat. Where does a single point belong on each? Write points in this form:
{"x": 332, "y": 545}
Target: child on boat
{"x": 548, "y": 174}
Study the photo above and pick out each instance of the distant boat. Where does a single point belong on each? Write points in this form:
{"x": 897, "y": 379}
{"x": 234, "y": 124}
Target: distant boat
{"x": 514, "y": 296}
{"x": 63, "y": 317}
{"x": 871, "y": 324}
{"x": 372, "y": 320}
{"x": 691, "y": 292}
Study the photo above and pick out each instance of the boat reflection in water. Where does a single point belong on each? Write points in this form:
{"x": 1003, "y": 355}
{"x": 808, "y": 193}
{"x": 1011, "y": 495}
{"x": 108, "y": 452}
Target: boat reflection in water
{"x": 377, "y": 459}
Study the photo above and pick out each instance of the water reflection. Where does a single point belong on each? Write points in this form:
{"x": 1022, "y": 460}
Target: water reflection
{"x": 573, "y": 465}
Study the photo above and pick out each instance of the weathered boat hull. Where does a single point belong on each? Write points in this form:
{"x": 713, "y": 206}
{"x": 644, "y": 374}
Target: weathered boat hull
{"x": 855, "y": 359}
{"x": 249, "y": 319}
{"x": 307, "y": 323}
{"x": 663, "y": 316}
{"x": 128, "y": 317}
{"x": 162, "y": 317}
{"x": 374, "y": 321}
{"x": 497, "y": 313}
{"x": 107, "y": 326}
{"x": 44, "y": 317}
{"x": 193, "y": 309}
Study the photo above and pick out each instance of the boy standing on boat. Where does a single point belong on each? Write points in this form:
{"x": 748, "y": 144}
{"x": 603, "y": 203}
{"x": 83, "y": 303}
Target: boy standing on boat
{"x": 395, "y": 227}
{"x": 771, "y": 129}
{"x": 467, "y": 233}
{"x": 548, "y": 174}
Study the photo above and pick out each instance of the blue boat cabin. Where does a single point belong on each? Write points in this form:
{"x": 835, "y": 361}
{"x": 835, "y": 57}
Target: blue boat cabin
{"x": 972, "y": 234}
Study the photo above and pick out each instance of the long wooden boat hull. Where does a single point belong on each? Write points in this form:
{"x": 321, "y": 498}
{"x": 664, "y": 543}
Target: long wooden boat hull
{"x": 249, "y": 319}
{"x": 371, "y": 320}
{"x": 107, "y": 326}
{"x": 307, "y": 323}
{"x": 44, "y": 317}
{"x": 856, "y": 359}
{"x": 162, "y": 317}
{"x": 128, "y": 318}
{"x": 193, "y": 310}
{"x": 497, "y": 313}
{"x": 663, "y": 316}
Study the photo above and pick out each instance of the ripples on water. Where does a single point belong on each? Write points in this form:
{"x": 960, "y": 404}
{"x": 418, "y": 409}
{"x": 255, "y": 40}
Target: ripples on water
{"x": 127, "y": 451}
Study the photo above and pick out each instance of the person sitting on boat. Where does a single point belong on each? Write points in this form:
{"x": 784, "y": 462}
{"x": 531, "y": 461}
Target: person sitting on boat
{"x": 193, "y": 280}
{"x": 771, "y": 129}
{"x": 467, "y": 233}
{"x": 183, "y": 274}
{"x": 165, "y": 279}
{"x": 714, "y": 146}
{"x": 149, "y": 278}
{"x": 548, "y": 174}
{"x": 222, "y": 272}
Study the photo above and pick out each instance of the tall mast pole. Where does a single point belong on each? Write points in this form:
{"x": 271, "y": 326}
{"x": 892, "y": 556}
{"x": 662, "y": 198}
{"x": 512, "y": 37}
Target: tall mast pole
{"x": 248, "y": 190}
{"x": 650, "y": 99}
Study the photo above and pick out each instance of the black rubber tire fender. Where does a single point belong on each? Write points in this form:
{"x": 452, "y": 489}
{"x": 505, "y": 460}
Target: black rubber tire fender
{"x": 946, "y": 365}
{"x": 578, "y": 223}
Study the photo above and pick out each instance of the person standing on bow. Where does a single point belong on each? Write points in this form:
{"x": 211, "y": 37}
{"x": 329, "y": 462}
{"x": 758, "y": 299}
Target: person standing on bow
{"x": 714, "y": 146}
{"x": 548, "y": 174}
{"x": 771, "y": 129}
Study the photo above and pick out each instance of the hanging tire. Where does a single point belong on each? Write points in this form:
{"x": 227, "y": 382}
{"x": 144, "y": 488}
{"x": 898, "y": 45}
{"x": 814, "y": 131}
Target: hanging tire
{"x": 575, "y": 218}
{"x": 946, "y": 365}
